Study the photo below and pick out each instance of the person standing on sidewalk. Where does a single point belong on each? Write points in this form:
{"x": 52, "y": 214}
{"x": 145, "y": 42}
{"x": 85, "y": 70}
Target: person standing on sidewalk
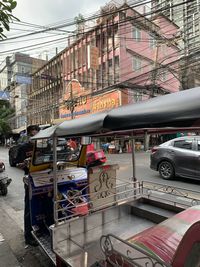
{"x": 25, "y": 152}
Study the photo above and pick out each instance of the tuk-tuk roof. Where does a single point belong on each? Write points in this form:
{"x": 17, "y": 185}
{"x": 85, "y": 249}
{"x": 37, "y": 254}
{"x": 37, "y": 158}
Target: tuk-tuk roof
{"x": 181, "y": 109}
{"x": 90, "y": 124}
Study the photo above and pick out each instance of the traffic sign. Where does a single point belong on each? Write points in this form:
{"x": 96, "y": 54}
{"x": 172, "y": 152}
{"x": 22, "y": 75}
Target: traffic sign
{"x": 4, "y": 95}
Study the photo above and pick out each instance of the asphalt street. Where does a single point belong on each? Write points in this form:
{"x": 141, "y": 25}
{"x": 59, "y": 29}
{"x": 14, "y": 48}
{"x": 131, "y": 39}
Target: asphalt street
{"x": 11, "y": 221}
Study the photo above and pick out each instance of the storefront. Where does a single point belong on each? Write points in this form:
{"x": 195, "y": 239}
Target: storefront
{"x": 84, "y": 103}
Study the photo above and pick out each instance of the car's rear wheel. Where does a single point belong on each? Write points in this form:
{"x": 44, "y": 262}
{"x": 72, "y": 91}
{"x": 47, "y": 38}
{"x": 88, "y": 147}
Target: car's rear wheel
{"x": 166, "y": 170}
{"x": 12, "y": 164}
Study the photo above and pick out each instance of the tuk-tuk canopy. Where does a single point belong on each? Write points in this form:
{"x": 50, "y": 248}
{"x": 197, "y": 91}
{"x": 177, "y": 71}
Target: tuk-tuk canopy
{"x": 181, "y": 109}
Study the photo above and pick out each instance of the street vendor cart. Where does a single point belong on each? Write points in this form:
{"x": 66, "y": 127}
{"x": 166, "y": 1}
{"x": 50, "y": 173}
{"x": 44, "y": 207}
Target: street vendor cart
{"x": 91, "y": 217}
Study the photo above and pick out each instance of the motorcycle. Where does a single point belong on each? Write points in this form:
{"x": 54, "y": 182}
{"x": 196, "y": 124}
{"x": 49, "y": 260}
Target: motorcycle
{"x": 95, "y": 157}
{"x": 4, "y": 180}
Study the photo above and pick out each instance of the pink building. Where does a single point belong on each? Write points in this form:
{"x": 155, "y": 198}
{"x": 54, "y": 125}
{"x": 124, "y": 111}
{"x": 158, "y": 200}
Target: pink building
{"x": 148, "y": 55}
{"x": 126, "y": 47}
{"x": 125, "y": 58}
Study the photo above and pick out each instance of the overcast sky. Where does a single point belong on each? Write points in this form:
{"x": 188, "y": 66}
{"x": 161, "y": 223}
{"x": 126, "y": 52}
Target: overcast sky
{"x": 50, "y": 11}
{"x": 44, "y": 12}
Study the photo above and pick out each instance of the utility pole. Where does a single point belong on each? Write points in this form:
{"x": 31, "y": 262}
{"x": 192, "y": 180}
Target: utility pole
{"x": 72, "y": 106}
{"x": 71, "y": 103}
{"x": 155, "y": 71}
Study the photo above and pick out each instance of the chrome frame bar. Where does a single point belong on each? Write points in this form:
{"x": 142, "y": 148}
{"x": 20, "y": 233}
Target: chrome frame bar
{"x": 108, "y": 246}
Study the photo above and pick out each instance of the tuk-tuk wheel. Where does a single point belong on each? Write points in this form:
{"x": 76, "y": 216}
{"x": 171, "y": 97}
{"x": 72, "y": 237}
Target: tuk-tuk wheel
{"x": 166, "y": 170}
{"x": 4, "y": 190}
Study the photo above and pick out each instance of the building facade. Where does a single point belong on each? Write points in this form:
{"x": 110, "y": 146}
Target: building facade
{"x": 123, "y": 59}
{"x": 15, "y": 78}
{"x": 187, "y": 17}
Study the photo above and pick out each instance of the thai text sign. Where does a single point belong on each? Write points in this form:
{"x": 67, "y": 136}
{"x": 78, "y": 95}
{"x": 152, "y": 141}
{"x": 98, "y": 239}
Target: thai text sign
{"x": 87, "y": 104}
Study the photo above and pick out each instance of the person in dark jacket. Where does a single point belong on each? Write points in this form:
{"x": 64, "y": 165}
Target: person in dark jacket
{"x": 25, "y": 152}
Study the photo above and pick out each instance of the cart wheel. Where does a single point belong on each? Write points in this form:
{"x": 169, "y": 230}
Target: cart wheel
{"x": 4, "y": 190}
{"x": 166, "y": 170}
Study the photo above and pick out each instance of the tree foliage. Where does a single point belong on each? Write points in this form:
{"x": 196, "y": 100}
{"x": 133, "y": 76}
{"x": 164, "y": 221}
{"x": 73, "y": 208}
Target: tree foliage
{"x": 6, "y": 16}
{"x": 80, "y": 23}
{"x": 5, "y": 113}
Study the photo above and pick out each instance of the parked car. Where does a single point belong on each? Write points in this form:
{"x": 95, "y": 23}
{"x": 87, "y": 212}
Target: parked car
{"x": 13, "y": 151}
{"x": 177, "y": 157}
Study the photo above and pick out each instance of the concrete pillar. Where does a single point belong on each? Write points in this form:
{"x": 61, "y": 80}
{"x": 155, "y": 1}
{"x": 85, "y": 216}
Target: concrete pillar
{"x": 146, "y": 141}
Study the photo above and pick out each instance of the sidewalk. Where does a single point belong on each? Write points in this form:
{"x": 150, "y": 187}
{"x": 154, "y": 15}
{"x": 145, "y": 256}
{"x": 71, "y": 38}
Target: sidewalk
{"x": 7, "y": 258}
{"x": 13, "y": 252}
{"x": 9, "y": 239}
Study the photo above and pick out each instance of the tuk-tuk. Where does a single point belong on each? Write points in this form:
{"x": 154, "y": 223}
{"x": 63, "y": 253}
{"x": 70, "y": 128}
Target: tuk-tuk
{"x": 90, "y": 217}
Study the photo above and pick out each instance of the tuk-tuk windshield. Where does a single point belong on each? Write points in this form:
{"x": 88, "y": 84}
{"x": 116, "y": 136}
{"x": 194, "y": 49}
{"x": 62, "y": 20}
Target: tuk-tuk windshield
{"x": 67, "y": 150}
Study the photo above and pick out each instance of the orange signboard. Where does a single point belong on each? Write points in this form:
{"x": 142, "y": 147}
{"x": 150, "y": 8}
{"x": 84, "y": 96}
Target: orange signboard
{"x": 87, "y": 104}
{"x": 105, "y": 102}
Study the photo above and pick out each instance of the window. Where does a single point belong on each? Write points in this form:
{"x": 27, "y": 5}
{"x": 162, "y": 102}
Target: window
{"x": 138, "y": 97}
{"x": 110, "y": 63}
{"x": 44, "y": 151}
{"x": 136, "y": 34}
{"x": 116, "y": 60}
{"x": 22, "y": 69}
{"x": 104, "y": 69}
{"x": 116, "y": 36}
{"x": 152, "y": 41}
{"x": 84, "y": 82}
{"x": 163, "y": 75}
{"x": 116, "y": 69}
{"x": 185, "y": 144}
{"x": 164, "y": 50}
{"x": 137, "y": 64}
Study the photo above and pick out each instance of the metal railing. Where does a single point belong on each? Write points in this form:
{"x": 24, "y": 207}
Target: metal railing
{"x": 170, "y": 194}
{"x": 124, "y": 192}
{"x": 83, "y": 202}
{"x": 121, "y": 253}
{"x": 78, "y": 203}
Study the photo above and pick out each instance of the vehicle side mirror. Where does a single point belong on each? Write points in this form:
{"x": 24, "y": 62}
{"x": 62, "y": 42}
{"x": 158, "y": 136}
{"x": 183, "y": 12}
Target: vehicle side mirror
{"x": 86, "y": 140}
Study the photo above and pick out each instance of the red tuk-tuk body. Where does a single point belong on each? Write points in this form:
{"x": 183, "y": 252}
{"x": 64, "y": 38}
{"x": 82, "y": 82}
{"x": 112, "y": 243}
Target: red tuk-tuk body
{"x": 175, "y": 242}
{"x": 172, "y": 240}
